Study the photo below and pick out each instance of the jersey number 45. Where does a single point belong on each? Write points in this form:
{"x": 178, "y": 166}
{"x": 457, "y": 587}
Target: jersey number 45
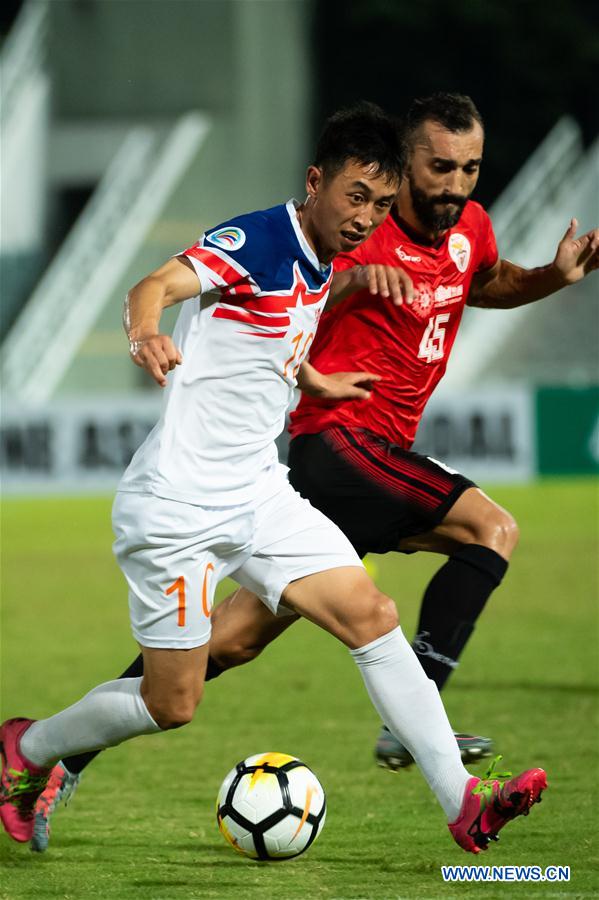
{"x": 431, "y": 346}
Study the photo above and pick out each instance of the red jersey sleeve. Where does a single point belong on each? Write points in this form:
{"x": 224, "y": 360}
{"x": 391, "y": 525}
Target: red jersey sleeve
{"x": 345, "y": 261}
{"x": 487, "y": 254}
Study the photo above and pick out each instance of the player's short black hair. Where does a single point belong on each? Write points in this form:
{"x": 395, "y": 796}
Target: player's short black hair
{"x": 365, "y": 133}
{"x": 456, "y": 112}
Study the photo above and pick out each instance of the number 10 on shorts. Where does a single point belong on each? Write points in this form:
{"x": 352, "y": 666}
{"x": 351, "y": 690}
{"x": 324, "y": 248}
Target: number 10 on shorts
{"x": 179, "y": 586}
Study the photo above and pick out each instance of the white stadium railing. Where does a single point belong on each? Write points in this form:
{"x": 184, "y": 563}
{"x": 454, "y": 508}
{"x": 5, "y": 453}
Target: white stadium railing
{"x": 95, "y": 255}
{"x": 537, "y": 183}
{"x": 24, "y": 112}
{"x": 23, "y": 53}
{"x": 529, "y": 219}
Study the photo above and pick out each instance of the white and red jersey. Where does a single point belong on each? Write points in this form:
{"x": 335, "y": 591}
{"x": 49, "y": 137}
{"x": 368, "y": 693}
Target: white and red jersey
{"x": 408, "y": 346}
{"x": 242, "y": 341}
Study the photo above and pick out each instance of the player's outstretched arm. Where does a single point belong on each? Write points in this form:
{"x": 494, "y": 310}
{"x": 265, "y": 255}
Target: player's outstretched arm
{"x": 336, "y": 385}
{"x": 171, "y": 283}
{"x": 386, "y": 281}
{"x": 506, "y": 285}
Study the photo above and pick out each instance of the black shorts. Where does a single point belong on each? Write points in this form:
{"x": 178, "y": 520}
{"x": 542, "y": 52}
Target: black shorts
{"x": 376, "y": 492}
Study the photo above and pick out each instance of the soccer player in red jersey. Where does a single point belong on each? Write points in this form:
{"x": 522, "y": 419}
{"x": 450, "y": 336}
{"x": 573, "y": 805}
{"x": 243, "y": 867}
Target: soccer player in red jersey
{"x": 353, "y": 460}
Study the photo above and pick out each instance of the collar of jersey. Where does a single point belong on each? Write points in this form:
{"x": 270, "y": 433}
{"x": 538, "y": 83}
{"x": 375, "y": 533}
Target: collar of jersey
{"x": 292, "y": 206}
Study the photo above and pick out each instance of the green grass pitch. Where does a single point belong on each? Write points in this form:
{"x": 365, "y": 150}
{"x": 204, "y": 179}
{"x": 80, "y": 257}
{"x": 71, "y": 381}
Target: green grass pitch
{"x": 142, "y": 823}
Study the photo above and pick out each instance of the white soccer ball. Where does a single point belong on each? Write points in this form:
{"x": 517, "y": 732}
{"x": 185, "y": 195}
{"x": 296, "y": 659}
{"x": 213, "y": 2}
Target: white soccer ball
{"x": 271, "y": 806}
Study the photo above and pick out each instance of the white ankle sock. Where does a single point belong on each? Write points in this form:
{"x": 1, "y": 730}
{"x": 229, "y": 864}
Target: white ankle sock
{"x": 409, "y": 704}
{"x": 109, "y": 714}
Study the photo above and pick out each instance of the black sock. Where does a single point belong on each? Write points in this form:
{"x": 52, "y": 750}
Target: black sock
{"x": 76, "y": 764}
{"x": 452, "y": 603}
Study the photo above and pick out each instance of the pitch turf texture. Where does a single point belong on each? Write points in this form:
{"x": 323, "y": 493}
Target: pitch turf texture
{"x": 142, "y": 823}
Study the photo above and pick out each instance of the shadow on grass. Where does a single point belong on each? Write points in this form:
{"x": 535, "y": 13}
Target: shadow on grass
{"x": 168, "y": 883}
{"x": 536, "y": 686}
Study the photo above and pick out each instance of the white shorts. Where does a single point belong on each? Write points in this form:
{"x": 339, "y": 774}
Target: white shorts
{"x": 174, "y": 554}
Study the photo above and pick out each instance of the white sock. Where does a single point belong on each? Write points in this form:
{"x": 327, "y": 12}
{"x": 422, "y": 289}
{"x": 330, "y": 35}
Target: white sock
{"x": 409, "y": 704}
{"x": 109, "y": 714}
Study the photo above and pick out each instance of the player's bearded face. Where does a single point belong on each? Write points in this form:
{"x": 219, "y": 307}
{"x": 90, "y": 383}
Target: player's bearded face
{"x": 437, "y": 212}
{"x": 442, "y": 173}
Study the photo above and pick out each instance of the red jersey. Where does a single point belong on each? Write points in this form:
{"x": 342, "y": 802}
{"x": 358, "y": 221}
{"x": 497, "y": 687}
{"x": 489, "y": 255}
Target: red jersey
{"x": 408, "y": 346}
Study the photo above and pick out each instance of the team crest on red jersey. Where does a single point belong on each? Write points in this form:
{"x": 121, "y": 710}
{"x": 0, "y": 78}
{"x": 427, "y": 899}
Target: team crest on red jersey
{"x": 459, "y": 250}
{"x": 423, "y": 299}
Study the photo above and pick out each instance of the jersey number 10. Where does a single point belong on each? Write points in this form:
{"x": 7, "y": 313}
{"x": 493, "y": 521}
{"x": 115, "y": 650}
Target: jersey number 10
{"x": 431, "y": 346}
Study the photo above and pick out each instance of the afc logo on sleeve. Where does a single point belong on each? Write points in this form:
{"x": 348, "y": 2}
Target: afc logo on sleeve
{"x": 230, "y": 238}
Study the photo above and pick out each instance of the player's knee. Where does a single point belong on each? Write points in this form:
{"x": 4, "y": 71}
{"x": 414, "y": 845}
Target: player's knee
{"x": 510, "y": 533}
{"x": 380, "y": 617}
{"x": 168, "y": 716}
{"x": 174, "y": 710}
{"x": 499, "y": 532}
{"x": 386, "y": 616}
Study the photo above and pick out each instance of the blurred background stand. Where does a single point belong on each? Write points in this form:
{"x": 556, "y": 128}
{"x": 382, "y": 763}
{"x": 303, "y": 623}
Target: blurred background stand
{"x": 128, "y": 127}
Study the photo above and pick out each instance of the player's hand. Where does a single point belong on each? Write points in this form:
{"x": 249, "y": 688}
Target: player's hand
{"x": 387, "y": 281}
{"x": 157, "y": 355}
{"x": 346, "y": 385}
{"x": 576, "y": 257}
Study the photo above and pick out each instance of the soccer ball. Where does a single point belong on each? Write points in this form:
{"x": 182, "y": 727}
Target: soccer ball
{"x": 271, "y": 806}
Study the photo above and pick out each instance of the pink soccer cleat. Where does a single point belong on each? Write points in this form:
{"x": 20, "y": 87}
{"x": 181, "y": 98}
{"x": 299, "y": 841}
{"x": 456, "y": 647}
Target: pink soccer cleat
{"x": 489, "y": 804}
{"x": 22, "y": 782}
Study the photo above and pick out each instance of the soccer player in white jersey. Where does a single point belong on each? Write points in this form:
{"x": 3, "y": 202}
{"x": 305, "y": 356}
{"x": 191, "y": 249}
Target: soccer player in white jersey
{"x": 205, "y": 496}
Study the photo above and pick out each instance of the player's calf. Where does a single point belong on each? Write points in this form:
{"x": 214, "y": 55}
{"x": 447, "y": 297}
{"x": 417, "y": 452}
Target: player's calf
{"x": 242, "y": 627}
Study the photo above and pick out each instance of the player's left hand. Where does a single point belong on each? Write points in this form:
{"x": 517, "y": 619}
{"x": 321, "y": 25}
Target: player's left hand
{"x": 386, "y": 281}
{"x": 576, "y": 257}
{"x": 346, "y": 385}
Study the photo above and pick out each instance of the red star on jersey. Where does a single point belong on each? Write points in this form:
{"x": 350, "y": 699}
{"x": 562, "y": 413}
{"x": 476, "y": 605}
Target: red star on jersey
{"x": 245, "y": 303}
